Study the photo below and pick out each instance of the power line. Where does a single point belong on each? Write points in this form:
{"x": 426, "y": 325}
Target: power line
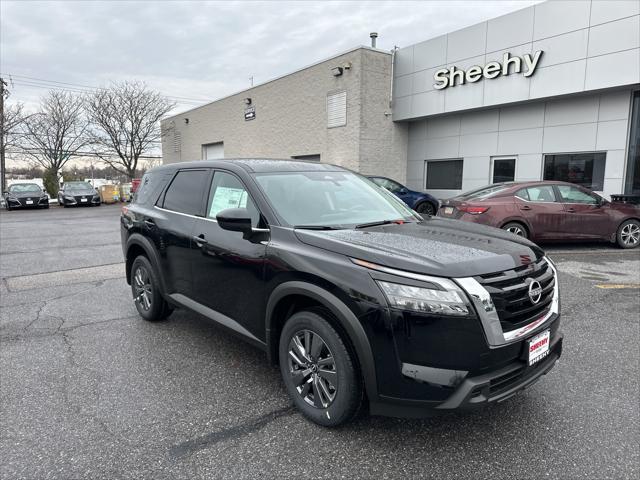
{"x": 27, "y": 81}
{"x": 96, "y": 88}
{"x": 77, "y": 137}
{"x": 79, "y": 153}
{"x": 77, "y": 90}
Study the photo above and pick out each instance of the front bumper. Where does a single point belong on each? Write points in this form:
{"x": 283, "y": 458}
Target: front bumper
{"x": 22, "y": 202}
{"x": 473, "y": 392}
{"x": 78, "y": 200}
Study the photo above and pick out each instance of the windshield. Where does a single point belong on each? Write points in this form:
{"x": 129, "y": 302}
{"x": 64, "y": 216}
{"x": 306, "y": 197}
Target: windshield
{"x": 485, "y": 192}
{"x": 24, "y": 188}
{"x": 335, "y": 199}
{"x": 78, "y": 186}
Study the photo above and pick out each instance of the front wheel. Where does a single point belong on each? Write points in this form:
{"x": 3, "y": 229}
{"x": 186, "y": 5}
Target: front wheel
{"x": 628, "y": 235}
{"x": 517, "y": 229}
{"x": 319, "y": 371}
{"x": 146, "y": 293}
{"x": 425, "y": 208}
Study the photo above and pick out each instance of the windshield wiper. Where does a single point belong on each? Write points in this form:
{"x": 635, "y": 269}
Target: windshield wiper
{"x": 315, "y": 227}
{"x": 381, "y": 222}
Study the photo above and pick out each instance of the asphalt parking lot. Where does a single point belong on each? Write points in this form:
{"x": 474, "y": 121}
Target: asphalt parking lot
{"x": 88, "y": 390}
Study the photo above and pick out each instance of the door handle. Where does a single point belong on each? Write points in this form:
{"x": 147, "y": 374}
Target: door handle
{"x": 571, "y": 210}
{"x": 525, "y": 207}
{"x": 200, "y": 240}
{"x": 149, "y": 223}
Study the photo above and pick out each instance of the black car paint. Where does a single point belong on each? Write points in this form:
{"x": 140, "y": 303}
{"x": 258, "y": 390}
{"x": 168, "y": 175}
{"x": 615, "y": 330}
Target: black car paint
{"x": 252, "y": 285}
{"x": 19, "y": 199}
{"x": 89, "y": 194}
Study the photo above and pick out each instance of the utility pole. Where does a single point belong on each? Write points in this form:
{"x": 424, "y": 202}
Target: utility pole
{"x": 3, "y": 182}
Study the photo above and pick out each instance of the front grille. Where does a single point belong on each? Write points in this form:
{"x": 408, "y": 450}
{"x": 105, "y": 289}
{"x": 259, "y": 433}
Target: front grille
{"x": 510, "y": 293}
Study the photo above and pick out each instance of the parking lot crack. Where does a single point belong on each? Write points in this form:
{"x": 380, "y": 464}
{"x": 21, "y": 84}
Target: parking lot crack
{"x": 238, "y": 431}
{"x": 77, "y": 409}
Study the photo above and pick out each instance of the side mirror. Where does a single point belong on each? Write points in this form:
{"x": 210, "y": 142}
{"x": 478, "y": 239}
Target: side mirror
{"x": 235, "y": 220}
{"x": 402, "y": 191}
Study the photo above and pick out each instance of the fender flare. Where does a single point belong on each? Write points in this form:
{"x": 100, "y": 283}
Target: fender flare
{"x": 345, "y": 316}
{"x": 152, "y": 255}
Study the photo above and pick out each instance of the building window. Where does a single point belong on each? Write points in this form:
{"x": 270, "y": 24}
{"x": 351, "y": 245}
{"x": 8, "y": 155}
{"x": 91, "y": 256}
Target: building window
{"x": 503, "y": 170}
{"x": 632, "y": 182}
{"x": 586, "y": 169}
{"x": 211, "y": 151}
{"x": 444, "y": 174}
{"x": 336, "y": 109}
{"x": 307, "y": 158}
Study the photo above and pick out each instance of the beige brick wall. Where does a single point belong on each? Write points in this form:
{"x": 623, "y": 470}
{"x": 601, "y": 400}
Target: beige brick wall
{"x": 291, "y": 119}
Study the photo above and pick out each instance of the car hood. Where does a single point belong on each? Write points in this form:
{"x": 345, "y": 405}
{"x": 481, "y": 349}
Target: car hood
{"x": 26, "y": 194}
{"x": 75, "y": 193}
{"x": 436, "y": 246}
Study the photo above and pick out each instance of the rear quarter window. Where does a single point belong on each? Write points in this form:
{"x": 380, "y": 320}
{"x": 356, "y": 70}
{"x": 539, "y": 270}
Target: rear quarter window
{"x": 146, "y": 187}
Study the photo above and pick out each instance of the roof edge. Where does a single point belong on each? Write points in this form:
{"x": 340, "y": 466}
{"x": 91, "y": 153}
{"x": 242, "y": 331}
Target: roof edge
{"x": 359, "y": 47}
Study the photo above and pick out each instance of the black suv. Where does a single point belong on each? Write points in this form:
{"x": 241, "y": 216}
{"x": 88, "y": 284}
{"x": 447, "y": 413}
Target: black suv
{"x": 353, "y": 294}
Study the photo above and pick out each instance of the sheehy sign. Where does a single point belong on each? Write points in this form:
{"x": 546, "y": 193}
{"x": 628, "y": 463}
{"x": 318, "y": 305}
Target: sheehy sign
{"x": 450, "y": 77}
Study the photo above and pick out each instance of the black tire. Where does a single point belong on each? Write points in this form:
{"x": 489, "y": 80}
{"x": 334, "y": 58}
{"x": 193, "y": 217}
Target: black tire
{"x": 628, "y": 234}
{"x": 146, "y": 293}
{"x": 426, "y": 208}
{"x": 517, "y": 229}
{"x": 337, "y": 371}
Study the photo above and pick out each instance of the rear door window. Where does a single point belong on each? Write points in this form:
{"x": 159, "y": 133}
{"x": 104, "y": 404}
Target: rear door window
{"x": 186, "y": 192}
{"x": 542, "y": 193}
{"x": 523, "y": 194}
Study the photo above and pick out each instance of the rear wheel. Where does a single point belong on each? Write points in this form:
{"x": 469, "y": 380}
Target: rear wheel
{"x": 425, "y": 208}
{"x": 146, "y": 293}
{"x": 517, "y": 229}
{"x": 628, "y": 235}
{"x": 320, "y": 373}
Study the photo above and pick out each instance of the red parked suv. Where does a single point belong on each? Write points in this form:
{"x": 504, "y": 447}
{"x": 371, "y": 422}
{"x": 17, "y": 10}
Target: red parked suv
{"x": 544, "y": 211}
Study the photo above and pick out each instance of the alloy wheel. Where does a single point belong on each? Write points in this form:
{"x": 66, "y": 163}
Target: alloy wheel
{"x": 516, "y": 230}
{"x": 425, "y": 208}
{"x": 630, "y": 234}
{"x": 142, "y": 285}
{"x": 312, "y": 369}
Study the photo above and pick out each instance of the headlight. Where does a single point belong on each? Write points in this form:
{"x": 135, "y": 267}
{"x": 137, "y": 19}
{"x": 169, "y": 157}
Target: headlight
{"x": 450, "y": 301}
{"x": 69, "y": 197}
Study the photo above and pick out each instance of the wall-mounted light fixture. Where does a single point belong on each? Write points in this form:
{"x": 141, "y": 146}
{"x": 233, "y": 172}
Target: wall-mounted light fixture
{"x": 336, "y": 71}
{"x": 247, "y": 101}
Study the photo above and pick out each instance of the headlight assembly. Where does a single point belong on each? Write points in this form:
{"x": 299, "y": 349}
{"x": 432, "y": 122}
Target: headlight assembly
{"x": 450, "y": 301}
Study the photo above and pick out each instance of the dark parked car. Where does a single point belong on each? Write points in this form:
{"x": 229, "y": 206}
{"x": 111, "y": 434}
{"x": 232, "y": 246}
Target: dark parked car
{"x": 25, "y": 195}
{"x": 353, "y": 295}
{"x": 421, "y": 202}
{"x": 546, "y": 211}
{"x": 78, "y": 193}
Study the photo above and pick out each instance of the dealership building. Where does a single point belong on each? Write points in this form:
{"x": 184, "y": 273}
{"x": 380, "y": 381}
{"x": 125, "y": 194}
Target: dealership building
{"x": 551, "y": 92}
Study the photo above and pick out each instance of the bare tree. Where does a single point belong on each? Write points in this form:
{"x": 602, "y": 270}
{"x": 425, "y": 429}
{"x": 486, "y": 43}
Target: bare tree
{"x": 125, "y": 119}
{"x": 11, "y": 121}
{"x": 58, "y": 132}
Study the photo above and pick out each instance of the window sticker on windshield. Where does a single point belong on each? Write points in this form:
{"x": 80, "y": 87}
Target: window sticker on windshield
{"x": 227, "y": 197}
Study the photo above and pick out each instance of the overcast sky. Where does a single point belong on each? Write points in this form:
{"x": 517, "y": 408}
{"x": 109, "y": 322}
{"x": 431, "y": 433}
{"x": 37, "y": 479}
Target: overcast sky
{"x": 200, "y": 51}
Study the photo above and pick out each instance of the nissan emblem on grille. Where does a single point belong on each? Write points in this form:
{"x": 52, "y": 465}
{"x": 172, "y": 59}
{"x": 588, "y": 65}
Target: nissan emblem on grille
{"x": 535, "y": 291}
